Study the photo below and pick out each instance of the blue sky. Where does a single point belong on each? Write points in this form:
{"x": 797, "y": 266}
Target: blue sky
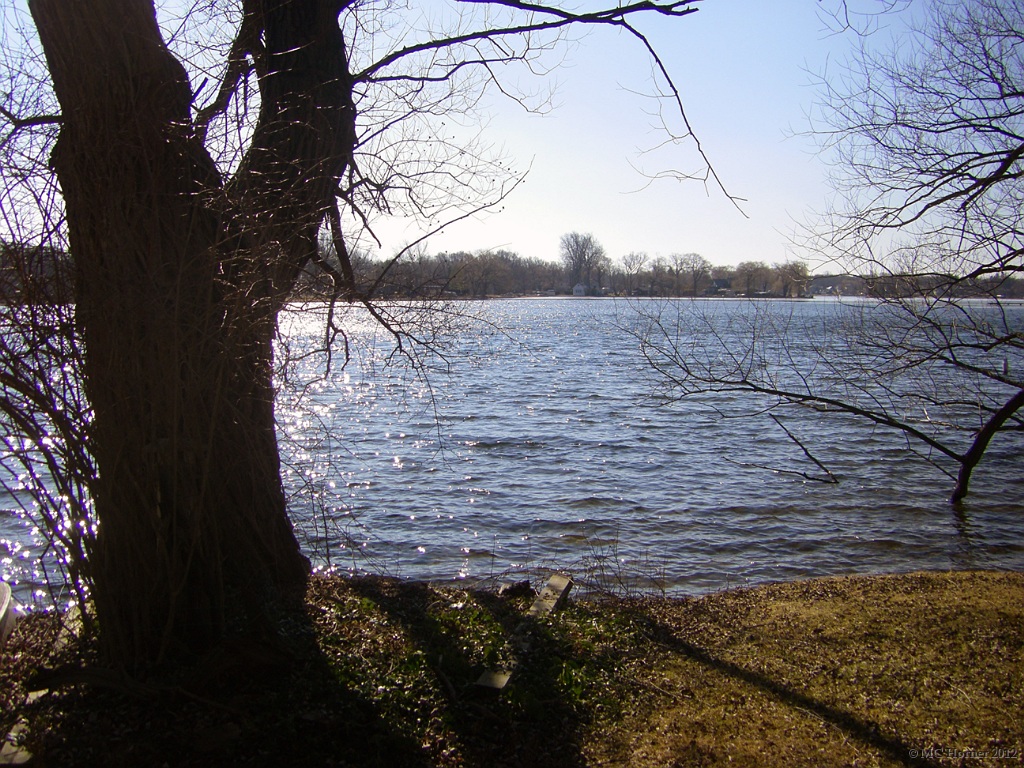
{"x": 746, "y": 69}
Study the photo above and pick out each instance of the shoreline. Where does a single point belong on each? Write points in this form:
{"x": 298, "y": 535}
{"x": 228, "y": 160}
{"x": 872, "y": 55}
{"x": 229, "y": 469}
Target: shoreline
{"x": 633, "y": 586}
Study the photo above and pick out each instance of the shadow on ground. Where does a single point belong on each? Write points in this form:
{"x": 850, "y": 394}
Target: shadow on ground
{"x": 884, "y": 671}
{"x": 863, "y": 733}
{"x": 377, "y": 673}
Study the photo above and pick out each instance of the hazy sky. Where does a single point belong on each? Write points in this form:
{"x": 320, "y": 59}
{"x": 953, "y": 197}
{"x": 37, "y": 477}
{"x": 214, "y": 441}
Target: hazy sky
{"x": 745, "y": 68}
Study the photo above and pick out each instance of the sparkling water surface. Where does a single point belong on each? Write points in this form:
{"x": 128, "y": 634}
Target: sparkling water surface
{"x": 546, "y": 446}
{"x": 540, "y": 440}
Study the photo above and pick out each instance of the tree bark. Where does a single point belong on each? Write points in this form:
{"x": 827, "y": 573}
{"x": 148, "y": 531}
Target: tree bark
{"x": 974, "y": 454}
{"x": 179, "y": 279}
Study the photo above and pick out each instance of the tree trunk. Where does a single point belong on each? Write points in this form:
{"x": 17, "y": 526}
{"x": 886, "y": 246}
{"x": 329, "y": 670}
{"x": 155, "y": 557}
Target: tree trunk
{"x": 179, "y": 280}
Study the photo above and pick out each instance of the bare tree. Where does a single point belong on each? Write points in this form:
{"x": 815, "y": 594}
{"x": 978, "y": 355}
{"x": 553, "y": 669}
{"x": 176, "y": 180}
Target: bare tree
{"x": 633, "y": 264}
{"x": 199, "y": 163}
{"x": 929, "y": 139}
{"x": 659, "y": 277}
{"x": 790, "y": 279}
{"x": 582, "y": 255}
{"x": 694, "y": 267}
{"x": 752, "y": 277}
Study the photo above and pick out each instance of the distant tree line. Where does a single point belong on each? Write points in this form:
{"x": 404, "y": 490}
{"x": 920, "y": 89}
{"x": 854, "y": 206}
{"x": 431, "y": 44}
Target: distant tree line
{"x": 485, "y": 274}
{"x": 909, "y": 285}
{"x": 584, "y": 266}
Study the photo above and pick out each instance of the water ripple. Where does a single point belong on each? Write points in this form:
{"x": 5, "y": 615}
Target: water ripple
{"x": 544, "y": 447}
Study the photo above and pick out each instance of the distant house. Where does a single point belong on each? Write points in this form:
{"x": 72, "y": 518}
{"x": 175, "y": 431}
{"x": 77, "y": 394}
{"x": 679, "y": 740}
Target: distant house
{"x": 720, "y": 287}
{"x": 579, "y": 290}
{"x": 838, "y": 285}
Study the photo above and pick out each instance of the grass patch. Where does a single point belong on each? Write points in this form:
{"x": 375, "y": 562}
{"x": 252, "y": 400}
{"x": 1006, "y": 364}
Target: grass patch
{"x": 919, "y": 669}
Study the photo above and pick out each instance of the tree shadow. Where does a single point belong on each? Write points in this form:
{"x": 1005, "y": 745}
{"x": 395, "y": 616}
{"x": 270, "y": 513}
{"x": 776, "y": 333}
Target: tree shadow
{"x": 855, "y": 728}
{"x": 370, "y": 674}
{"x": 530, "y": 722}
{"x": 271, "y": 700}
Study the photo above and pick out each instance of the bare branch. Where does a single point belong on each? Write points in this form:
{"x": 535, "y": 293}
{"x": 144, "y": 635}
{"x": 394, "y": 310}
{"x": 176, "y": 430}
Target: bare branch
{"x": 562, "y": 19}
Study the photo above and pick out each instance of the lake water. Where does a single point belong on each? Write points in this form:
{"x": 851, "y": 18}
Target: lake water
{"x": 544, "y": 447}
{"x": 541, "y": 444}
